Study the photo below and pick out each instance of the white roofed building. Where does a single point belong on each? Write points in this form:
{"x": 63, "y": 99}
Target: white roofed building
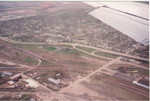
{"x": 31, "y": 83}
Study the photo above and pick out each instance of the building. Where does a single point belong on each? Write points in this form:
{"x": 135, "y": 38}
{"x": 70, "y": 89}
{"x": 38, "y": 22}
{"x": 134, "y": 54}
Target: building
{"x": 54, "y": 81}
{"x": 31, "y": 83}
{"x": 6, "y": 74}
{"x": 139, "y": 84}
{"x": 10, "y": 82}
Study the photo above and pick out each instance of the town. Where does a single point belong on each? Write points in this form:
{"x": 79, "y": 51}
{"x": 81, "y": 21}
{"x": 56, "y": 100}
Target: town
{"x": 58, "y": 51}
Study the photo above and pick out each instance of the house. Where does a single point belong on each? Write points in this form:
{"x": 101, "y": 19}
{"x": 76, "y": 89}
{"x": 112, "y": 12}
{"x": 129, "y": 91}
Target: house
{"x": 32, "y": 99}
{"x": 59, "y": 75}
{"x": 10, "y": 82}
{"x": 38, "y": 78}
{"x": 31, "y": 83}
{"x": 139, "y": 84}
{"x": 64, "y": 84}
{"x": 54, "y": 81}
{"x": 12, "y": 86}
{"x": 6, "y": 74}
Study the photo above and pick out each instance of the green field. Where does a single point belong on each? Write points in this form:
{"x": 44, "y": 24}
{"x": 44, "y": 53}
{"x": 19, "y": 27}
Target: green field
{"x": 49, "y": 48}
{"x": 53, "y": 47}
{"x": 100, "y": 53}
{"x": 66, "y": 51}
{"x": 77, "y": 52}
{"x": 27, "y": 59}
{"x": 90, "y": 50}
{"x": 30, "y": 60}
{"x": 44, "y": 63}
{"x": 28, "y": 46}
{"x": 37, "y": 47}
{"x": 90, "y": 56}
{"x": 68, "y": 46}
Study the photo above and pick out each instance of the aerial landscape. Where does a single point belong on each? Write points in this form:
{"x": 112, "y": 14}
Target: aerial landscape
{"x": 74, "y": 51}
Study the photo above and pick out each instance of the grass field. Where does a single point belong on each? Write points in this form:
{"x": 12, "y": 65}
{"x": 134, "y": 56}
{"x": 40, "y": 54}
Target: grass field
{"x": 49, "y": 48}
{"x": 28, "y": 46}
{"x": 66, "y": 51}
{"x": 68, "y": 46}
{"x": 30, "y": 60}
{"x": 36, "y": 47}
{"x": 77, "y": 52}
{"x": 27, "y": 59}
{"x": 44, "y": 63}
{"x": 90, "y": 50}
{"x": 100, "y": 53}
{"x": 90, "y": 56}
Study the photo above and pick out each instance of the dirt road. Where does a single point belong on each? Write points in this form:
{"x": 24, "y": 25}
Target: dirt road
{"x": 76, "y": 83}
{"x": 90, "y": 74}
{"x": 76, "y": 44}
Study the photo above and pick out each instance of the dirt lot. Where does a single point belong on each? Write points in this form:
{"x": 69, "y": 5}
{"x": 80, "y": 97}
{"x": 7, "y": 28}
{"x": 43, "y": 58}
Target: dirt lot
{"x": 65, "y": 22}
{"x": 115, "y": 89}
{"x": 130, "y": 70}
{"x": 10, "y": 53}
{"x": 71, "y": 66}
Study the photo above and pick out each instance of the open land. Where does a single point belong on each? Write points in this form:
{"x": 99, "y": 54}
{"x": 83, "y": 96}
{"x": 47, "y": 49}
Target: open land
{"x": 63, "y": 53}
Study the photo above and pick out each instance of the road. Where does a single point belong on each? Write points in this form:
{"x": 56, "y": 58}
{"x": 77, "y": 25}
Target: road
{"x": 135, "y": 27}
{"x": 74, "y": 45}
{"x": 38, "y": 63}
{"x": 53, "y": 94}
{"x": 90, "y": 74}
